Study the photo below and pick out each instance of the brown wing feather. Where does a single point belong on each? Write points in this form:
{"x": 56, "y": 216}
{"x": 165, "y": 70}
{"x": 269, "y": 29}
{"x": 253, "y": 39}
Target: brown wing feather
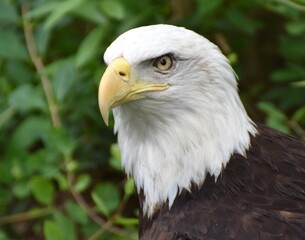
{"x": 258, "y": 197}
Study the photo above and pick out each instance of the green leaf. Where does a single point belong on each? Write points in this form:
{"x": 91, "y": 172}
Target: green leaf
{"x": 126, "y": 221}
{"x": 271, "y": 110}
{"x": 82, "y": 182}
{"x": 76, "y": 213}
{"x": 293, "y": 48}
{"x": 26, "y": 98}
{"x": 63, "y": 80}
{"x": 233, "y": 58}
{"x": 62, "y": 181}
{"x": 42, "y": 38}
{"x": 65, "y": 226}
{"x": 18, "y": 72}
{"x": 302, "y": 2}
{"x": 72, "y": 166}
{"x": 296, "y": 28}
{"x": 91, "y": 12}
{"x": 115, "y": 160}
{"x": 297, "y": 4}
{"x": 299, "y": 84}
{"x": 45, "y": 157}
{"x": 113, "y": 9}
{"x": 113, "y": 236}
{"x": 30, "y": 130}
{"x": 17, "y": 169}
{"x": 107, "y": 198}
{"x": 60, "y": 141}
{"x": 6, "y": 176}
{"x": 129, "y": 187}
{"x": 6, "y": 116}
{"x": 8, "y": 12}
{"x": 49, "y": 171}
{"x": 52, "y": 231}
{"x": 242, "y": 22}
{"x": 100, "y": 204}
{"x": 275, "y": 117}
{"x": 16, "y": 49}
{"x": 61, "y": 10}
{"x": 6, "y": 198}
{"x": 42, "y": 189}
{"x": 44, "y": 9}
{"x": 208, "y": 6}
{"x": 3, "y": 235}
{"x": 21, "y": 189}
{"x": 89, "y": 47}
{"x": 288, "y": 74}
{"x": 299, "y": 115}
{"x": 279, "y": 125}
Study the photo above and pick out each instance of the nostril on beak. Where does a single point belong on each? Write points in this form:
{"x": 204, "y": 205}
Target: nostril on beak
{"x": 122, "y": 74}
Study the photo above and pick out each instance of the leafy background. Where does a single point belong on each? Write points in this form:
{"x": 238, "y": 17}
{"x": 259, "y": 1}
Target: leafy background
{"x": 60, "y": 174}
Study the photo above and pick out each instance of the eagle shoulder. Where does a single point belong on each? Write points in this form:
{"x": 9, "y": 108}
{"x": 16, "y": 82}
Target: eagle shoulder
{"x": 260, "y": 196}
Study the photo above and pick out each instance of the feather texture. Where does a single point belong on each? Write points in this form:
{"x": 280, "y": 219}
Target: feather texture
{"x": 200, "y": 168}
{"x": 175, "y": 137}
{"x": 261, "y": 196}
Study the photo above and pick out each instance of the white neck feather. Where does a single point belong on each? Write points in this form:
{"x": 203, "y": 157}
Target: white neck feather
{"x": 166, "y": 146}
{"x": 177, "y": 136}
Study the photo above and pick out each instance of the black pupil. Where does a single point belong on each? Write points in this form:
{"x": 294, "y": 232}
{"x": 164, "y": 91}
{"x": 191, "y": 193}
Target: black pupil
{"x": 163, "y": 61}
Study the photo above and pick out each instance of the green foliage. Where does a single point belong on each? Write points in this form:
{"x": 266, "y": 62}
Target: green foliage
{"x": 275, "y": 118}
{"x": 60, "y": 172}
{"x": 82, "y": 183}
{"x": 16, "y": 51}
{"x": 113, "y": 9}
{"x": 106, "y": 197}
{"x": 75, "y": 212}
{"x": 87, "y": 49}
{"x": 42, "y": 190}
{"x": 52, "y": 231}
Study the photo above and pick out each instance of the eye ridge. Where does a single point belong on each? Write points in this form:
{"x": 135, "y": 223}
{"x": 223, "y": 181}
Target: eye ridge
{"x": 164, "y": 62}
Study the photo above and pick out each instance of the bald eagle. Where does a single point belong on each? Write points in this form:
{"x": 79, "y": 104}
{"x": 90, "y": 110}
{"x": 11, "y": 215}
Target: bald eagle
{"x": 202, "y": 168}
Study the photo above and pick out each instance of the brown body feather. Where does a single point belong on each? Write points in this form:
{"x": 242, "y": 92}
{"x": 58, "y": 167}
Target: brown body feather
{"x": 261, "y": 196}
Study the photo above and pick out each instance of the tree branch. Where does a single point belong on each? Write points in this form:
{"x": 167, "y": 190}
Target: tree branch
{"x": 56, "y": 121}
{"x": 40, "y": 68}
{"x": 108, "y": 226}
{"x": 105, "y": 225}
{"x": 25, "y": 216}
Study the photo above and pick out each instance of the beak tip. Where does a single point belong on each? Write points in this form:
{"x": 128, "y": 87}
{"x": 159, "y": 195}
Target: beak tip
{"x": 104, "y": 109}
{"x": 106, "y": 122}
{"x": 105, "y": 116}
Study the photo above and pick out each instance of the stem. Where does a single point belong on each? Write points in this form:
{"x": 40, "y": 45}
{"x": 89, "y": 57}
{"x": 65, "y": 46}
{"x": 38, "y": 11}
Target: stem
{"x": 105, "y": 225}
{"x": 40, "y": 68}
{"x": 108, "y": 225}
{"x": 81, "y": 201}
{"x": 25, "y": 216}
{"x": 56, "y": 121}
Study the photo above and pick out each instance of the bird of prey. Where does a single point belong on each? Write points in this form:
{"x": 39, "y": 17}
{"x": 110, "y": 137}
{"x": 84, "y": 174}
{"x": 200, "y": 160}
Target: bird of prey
{"x": 202, "y": 168}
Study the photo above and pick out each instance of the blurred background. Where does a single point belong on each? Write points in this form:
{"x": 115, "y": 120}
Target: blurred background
{"x": 60, "y": 173}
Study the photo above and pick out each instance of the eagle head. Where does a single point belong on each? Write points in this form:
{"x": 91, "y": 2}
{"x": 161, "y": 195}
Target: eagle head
{"x": 176, "y": 108}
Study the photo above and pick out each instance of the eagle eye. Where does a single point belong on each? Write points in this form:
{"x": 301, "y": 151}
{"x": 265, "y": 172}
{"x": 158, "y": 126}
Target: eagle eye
{"x": 164, "y": 62}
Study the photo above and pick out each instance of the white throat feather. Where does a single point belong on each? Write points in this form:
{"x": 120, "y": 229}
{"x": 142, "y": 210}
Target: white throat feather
{"x": 175, "y": 137}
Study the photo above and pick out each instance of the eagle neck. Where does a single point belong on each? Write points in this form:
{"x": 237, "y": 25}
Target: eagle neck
{"x": 166, "y": 153}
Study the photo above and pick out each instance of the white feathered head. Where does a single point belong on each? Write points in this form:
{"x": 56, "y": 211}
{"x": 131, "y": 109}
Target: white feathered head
{"x": 176, "y": 109}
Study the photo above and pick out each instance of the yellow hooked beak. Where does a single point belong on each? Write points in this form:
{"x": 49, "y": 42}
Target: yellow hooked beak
{"x": 117, "y": 86}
